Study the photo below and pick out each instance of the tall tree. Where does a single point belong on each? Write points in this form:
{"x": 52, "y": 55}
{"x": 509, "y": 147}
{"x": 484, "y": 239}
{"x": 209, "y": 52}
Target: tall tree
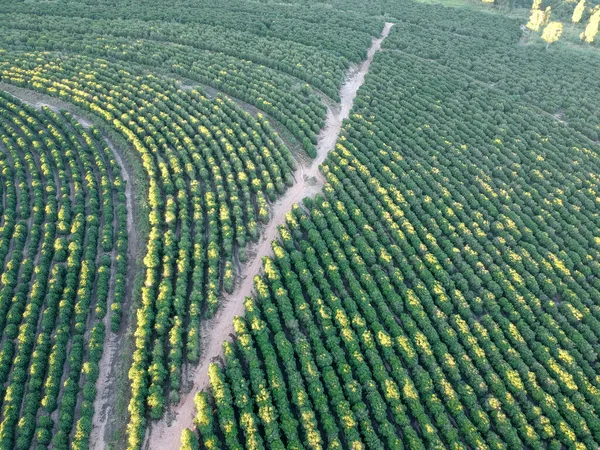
{"x": 592, "y": 28}
{"x": 536, "y": 16}
{"x": 578, "y": 12}
{"x": 547, "y": 13}
{"x": 552, "y": 33}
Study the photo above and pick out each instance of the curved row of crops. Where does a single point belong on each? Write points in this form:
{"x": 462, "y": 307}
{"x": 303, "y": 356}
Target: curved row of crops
{"x": 263, "y": 56}
{"x": 322, "y": 69}
{"x": 338, "y": 30}
{"x": 63, "y": 249}
{"x": 212, "y": 170}
{"x": 443, "y": 292}
{"x": 298, "y": 108}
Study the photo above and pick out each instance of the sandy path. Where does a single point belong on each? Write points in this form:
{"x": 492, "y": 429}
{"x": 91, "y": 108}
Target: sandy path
{"x": 108, "y": 365}
{"x": 308, "y": 182}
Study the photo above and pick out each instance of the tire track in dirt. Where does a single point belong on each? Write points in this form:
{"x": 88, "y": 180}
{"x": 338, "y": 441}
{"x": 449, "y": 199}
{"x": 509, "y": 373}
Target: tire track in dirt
{"x": 308, "y": 182}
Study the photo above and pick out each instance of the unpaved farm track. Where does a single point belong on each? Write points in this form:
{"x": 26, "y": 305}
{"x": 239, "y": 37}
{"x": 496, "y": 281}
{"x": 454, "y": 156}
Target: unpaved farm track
{"x": 109, "y": 364}
{"x": 308, "y": 182}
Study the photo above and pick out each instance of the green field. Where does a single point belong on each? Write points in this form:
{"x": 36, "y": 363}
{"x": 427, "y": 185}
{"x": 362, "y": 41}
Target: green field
{"x": 297, "y": 225}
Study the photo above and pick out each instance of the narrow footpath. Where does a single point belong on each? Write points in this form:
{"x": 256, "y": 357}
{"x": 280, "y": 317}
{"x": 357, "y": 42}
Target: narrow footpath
{"x": 308, "y": 182}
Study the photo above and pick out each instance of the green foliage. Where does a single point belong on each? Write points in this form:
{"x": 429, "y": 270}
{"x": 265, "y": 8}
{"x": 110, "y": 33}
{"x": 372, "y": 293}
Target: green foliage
{"x": 195, "y": 225}
{"x": 62, "y": 179}
{"x": 441, "y": 292}
{"x": 560, "y": 82}
{"x": 212, "y": 167}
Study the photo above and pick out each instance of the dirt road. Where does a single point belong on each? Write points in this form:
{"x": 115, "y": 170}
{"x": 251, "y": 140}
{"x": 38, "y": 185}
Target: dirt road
{"x": 309, "y": 181}
{"x": 110, "y": 363}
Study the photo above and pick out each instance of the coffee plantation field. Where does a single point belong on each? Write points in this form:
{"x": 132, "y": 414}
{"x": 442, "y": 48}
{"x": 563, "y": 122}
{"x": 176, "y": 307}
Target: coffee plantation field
{"x": 298, "y": 225}
{"x": 64, "y": 247}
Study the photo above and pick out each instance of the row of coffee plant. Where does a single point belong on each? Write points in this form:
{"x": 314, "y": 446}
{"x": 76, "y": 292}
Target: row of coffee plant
{"x": 339, "y": 30}
{"x": 212, "y": 169}
{"x": 443, "y": 292}
{"x": 63, "y": 244}
{"x": 322, "y": 69}
{"x": 561, "y": 81}
{"x": 295, "y": 105}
